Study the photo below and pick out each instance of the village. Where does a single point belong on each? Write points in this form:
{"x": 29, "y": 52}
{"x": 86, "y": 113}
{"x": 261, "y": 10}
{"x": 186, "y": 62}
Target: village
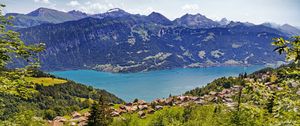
{"x": 143, "y": 108}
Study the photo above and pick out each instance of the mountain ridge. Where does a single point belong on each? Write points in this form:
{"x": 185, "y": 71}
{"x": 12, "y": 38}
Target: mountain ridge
{"x": 41, "y": 16}
{"x": 187, "y": 20}
{"x": 133, "y": 44}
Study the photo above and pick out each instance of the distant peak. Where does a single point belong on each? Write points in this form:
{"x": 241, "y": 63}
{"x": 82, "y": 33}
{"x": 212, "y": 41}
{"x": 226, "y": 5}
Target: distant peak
{"x": 224, "y": 19}
{"x": 115, "y": 10}
{"x": 39, "y": 11}
{"x": 287, "y": 25}
{"x": 186, "y": 15}
{"x": 197, "y": 16}
{"x": 159, "y": 18}
{"x": 155, "y": 14}
{"x": 271, "y": 24}
{"x": 44, "y": 9}
{"x": 77, "y": 12}
{"x": 74, "y": 11}
{"x": 232, "y": 23}
{"x": 238, "y": 23}
{"x": 189, "y": 15}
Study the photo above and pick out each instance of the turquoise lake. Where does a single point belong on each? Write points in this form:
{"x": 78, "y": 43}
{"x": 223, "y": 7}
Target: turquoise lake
{"x": 154, "y": 84}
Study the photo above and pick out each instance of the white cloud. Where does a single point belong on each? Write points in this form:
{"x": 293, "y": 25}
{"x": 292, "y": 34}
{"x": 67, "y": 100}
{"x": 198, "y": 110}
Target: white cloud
{"x": 73, "y": 3}
{"x": 190, "y": 7}
{"x": 42, "y": 1}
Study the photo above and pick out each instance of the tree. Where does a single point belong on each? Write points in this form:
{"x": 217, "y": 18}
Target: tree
{"x": 290, "y": 47}
{"x": 100, "y": 114}
{"x": 24, "y": 118}
{"x": 280, "y": 101}
{"x": 13, "y": 48}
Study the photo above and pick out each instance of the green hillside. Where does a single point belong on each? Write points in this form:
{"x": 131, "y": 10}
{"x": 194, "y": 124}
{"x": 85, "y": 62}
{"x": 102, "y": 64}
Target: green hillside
{"x": 268, "y": 97}
{"x": 57, "y": 97}
{"x": 30, "y": 97}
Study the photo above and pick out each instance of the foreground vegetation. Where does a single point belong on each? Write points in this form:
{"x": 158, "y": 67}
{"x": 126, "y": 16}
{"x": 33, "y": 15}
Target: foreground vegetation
{"x": 29, "y": 97}
{"x": 266, "y": 97}
{"x": 50, "y": 101}
{"x": 255, "y": 104}
{"x": 195, "y": 115}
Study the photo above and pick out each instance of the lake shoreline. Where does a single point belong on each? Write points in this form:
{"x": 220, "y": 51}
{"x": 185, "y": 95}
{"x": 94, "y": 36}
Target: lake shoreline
{"x": 204, "y": 66}
{"x": 153, "y": 84}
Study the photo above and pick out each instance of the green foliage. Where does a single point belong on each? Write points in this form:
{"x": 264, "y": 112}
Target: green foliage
{"x": 217, "y": 85}
{"x": 266, "y": 97}
{"x": 55, "y": 100}
{"x": 173, "y": 116}
{"x": 12, "y": 48}
{"x": 206, "y": 115}
{"x": 179, "y": 116}
{"x": 279, "y": 100}
{"x": 24, "y": 103}
{"x": 100, "y": 114}
{"x": 290, "y": 47}
{"x": 24, "y": 118}
{"x": 50, "y": 114}
{"x": 46, "y": 81}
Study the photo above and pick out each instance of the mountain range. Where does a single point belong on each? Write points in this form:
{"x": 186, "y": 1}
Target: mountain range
{"x": 118, "y": 41}
{"x": 44, "y": 15}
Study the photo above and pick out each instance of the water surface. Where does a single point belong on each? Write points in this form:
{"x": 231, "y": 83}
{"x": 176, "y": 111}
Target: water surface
{"x": 155, "y": 84}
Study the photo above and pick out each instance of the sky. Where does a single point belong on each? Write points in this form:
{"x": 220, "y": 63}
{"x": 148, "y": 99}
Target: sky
{"x": 254, "y": 11}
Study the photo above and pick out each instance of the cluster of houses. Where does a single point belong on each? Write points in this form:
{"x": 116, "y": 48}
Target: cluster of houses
{"x": 76, "y": 119}
{"x": 143, "y": 108}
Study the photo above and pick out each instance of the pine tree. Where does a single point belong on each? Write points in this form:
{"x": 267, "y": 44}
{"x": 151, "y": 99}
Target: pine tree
{"x": 100, "y": 114}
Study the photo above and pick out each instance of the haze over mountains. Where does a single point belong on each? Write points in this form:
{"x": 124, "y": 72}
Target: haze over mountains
{"x": 118, "y": 41}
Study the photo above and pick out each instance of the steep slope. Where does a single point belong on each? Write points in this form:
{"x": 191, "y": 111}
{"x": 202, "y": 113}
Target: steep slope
{"x": 131, "y": 44}
{"x": 50, "y": 100}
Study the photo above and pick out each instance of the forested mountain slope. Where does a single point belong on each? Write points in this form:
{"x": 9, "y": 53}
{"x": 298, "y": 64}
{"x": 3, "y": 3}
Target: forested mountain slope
{"x": 133, "y": 43}
{"x": 50, "y": 97}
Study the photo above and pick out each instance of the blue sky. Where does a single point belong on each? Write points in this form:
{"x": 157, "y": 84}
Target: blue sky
{"x": 255, "y": 11}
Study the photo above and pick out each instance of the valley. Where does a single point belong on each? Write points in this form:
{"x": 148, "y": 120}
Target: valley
{"x": 91, "y": 63}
